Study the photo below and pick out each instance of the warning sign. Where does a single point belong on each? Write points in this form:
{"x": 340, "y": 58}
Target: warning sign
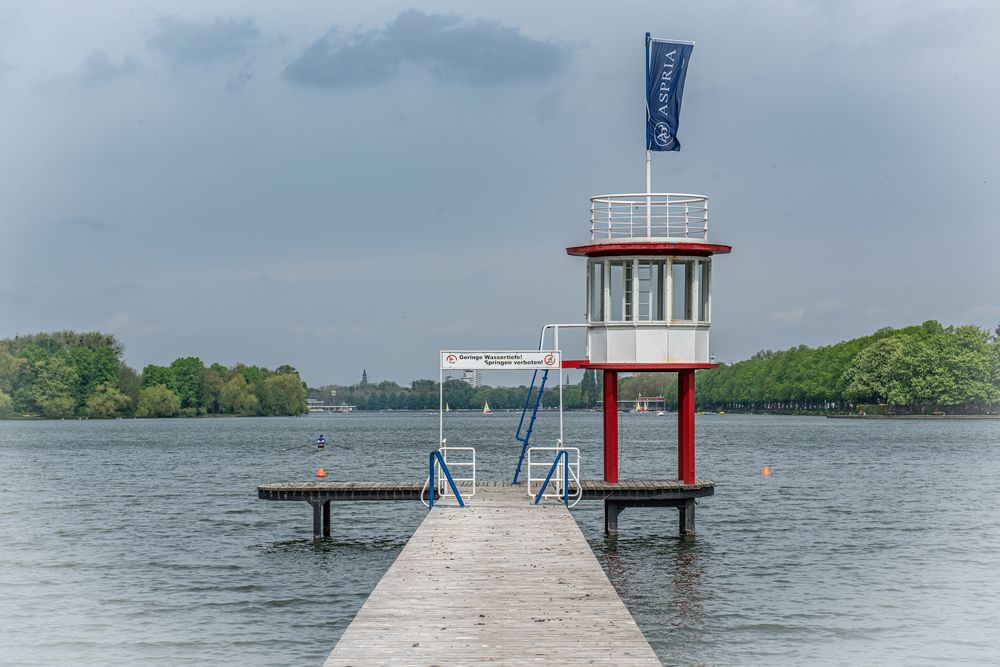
{"x": 500, "y": 360}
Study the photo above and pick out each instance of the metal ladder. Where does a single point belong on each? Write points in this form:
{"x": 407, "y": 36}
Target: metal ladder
{"x": 531, "y": 424}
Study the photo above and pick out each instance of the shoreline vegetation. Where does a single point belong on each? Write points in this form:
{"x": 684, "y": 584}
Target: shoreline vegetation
{"x": 67, "y": 375}
{"x": 928, "y": 371}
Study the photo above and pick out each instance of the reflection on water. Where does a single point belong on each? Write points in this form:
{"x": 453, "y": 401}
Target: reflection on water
{"x": 142, "y": 541}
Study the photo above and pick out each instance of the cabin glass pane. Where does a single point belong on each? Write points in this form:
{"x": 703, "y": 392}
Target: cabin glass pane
{"x": 596, "y": 301}
{"x": 616, "y": 291}
{"x": 703, "y": 290}
{"x": 629, "y": 290}
{"x": 681, "y": 277}
{"x": 649, "y": 305}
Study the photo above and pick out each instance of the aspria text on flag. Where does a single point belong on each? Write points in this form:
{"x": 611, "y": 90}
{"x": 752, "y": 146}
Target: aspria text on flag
{"x": 668, "y": 63}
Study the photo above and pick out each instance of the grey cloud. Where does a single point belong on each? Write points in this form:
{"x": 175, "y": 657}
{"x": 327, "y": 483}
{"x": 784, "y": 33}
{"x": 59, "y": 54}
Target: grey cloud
{"x": 479, "y": 51}
{"x": 98, "y": 68}
{"x": 187, "y": 42}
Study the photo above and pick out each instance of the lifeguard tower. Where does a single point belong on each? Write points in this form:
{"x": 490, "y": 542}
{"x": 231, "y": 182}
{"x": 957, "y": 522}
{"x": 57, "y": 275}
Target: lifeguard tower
{"x": 649, "y": 309}
{"x": 649, "y": 302}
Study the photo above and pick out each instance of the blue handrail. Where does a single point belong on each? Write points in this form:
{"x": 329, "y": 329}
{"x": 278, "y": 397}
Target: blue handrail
{"x": 447, "y": 474}
{"x": 531, "y": 424}
{"x": 548, "y": 477}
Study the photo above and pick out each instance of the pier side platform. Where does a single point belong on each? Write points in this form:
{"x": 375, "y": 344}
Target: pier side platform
{"x": 501, "y": 581}
{"x": 616, "y": 496}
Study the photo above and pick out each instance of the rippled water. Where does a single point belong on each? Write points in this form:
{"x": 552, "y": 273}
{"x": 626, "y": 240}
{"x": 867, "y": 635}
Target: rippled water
{"x": 142, "y": 541}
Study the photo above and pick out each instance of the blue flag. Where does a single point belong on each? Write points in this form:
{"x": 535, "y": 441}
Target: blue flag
{"x": 664, "y": 89}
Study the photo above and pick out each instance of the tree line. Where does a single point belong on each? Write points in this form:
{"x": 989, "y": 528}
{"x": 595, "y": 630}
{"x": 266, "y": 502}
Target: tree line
{"x": 69, "y": 374}
{"x": 460, "y": 395}
{"x": 920, "y": 369}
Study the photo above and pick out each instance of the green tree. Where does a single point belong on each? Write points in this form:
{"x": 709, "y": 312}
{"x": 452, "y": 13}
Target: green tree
{"x": 874, "y": 375}
{"x": 153, "y": 375}
{"x": 105, "y": 402}
{"x": 54, "y": 388}
{"x": 283, "y": 394}
{"x": 237, "y": 397}
{"x": 186, "y": 381}
{"x": 93, "y": 367}
{"x": 130, "y": 384}
{"x": 158, "y": 401}
{"x": 212, "y": 381}
{"x": 5, "y": 405}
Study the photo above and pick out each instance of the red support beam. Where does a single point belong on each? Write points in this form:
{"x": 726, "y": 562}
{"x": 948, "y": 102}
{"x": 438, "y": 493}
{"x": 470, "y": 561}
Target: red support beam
{"x": 611, "y": 426}
{"x": 685, "y": 426}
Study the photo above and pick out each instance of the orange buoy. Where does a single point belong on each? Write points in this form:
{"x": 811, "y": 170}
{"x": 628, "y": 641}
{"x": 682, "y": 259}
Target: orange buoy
{"x": 321, "y": 473}
{"x": 765, "y": 471}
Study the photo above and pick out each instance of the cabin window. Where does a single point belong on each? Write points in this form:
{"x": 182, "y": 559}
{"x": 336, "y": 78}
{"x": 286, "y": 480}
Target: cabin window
{"x": 704, "y": 292}
{"x": 681, "y": 278}
{"x": 650, "y": 290}
{"x": 596, "y": 291}
{"x": 617, "y": 292}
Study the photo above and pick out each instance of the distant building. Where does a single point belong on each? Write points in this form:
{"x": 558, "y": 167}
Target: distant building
{"x": 475, "y": 378}
{"x": 364, "y": 376}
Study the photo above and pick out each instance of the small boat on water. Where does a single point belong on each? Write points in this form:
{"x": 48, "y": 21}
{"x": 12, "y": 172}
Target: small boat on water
{"x": 446, "y": 408}
{"x": 486, "y": 408}
{"x": 320, "y": 442}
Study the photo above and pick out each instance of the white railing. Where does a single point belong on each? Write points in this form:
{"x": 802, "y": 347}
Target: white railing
{"x": 649, "y": 216}
{"x": 459, "y": 463}
{"x": 540, "y": 460}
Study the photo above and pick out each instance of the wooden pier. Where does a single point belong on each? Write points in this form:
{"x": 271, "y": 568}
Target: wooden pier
{"x": 498, "y": 582}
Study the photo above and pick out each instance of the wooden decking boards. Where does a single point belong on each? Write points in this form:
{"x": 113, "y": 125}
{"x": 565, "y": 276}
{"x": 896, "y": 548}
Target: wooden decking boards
{"x": 499, "y": 582}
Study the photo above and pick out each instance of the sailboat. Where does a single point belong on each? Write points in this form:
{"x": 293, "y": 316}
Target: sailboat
{"x": 446, "y": 408}
{"x": 486, "y": 408}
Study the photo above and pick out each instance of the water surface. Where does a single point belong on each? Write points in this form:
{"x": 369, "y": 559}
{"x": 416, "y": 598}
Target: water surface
{"x": 142, "y": 541}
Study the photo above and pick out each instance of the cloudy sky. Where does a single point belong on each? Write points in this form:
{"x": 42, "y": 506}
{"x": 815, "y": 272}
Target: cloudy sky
{"x": 349, "y": 185}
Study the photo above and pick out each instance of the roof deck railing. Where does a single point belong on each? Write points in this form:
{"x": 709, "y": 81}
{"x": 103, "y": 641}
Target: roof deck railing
{"x": 654, "y": 215}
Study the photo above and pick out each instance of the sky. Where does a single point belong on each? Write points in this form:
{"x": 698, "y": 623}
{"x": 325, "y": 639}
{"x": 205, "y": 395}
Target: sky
{"x": 340, "y": 186}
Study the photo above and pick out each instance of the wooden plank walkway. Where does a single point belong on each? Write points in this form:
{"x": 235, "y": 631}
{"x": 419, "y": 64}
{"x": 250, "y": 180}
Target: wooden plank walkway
{"x": 501, "y": 582}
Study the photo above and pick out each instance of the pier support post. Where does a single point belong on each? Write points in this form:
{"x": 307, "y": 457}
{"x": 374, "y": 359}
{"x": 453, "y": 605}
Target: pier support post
{"x": 611, "y": 427}
{"x": 317, "y": 507}
{"x": 326, "y": 519}
{"x": 611, "y": 512}
{"x": 687, "y": 517}
{"x": 685, "y": 426}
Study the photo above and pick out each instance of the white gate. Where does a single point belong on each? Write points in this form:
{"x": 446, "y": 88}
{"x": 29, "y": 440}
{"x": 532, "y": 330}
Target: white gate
{"x": 540, "y": 468}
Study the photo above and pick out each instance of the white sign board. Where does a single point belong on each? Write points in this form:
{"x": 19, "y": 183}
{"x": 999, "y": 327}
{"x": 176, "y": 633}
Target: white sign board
{"x": 500, "y": 360}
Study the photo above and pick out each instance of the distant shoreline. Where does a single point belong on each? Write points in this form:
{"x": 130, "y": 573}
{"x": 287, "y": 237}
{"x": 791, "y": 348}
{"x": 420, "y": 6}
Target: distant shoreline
{"x": 913, "y": 416}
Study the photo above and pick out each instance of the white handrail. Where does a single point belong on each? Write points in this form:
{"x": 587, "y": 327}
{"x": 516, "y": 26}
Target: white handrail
{"x": 556, "y": 483}
{"x": 649, "y": 215}
{"x": 445, "y": 489}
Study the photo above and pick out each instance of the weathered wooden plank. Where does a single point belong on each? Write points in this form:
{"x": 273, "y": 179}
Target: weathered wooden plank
{"x": 499, "y": 582}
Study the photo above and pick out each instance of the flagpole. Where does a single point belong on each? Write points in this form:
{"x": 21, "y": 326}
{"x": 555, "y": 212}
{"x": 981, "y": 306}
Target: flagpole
{"x": 649, "y": 154}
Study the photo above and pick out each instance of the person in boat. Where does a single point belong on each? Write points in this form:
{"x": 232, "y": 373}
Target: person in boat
{"x": 320, "y": 442}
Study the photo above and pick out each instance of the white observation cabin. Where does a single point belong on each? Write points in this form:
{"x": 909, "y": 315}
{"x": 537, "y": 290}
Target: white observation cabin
{"x": 649, "y": 275}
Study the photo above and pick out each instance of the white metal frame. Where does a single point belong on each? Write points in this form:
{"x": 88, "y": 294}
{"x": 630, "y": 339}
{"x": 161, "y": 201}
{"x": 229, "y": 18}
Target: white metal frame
{"x": 443, "y": 442}
{"x": 649, "y": 215}
{"x": 444, "y": 489}
{"x": 538, "y": 470}
{"x": 667, "y": 287}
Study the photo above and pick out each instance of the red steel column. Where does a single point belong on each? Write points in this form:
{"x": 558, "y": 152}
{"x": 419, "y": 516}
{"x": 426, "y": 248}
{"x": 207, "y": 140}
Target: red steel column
{"x": 685, "y": 426}
{"x": 611, "y": 426}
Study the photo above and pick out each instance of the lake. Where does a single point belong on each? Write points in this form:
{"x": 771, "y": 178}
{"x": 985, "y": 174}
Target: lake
{"x": 142, "y": 541}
